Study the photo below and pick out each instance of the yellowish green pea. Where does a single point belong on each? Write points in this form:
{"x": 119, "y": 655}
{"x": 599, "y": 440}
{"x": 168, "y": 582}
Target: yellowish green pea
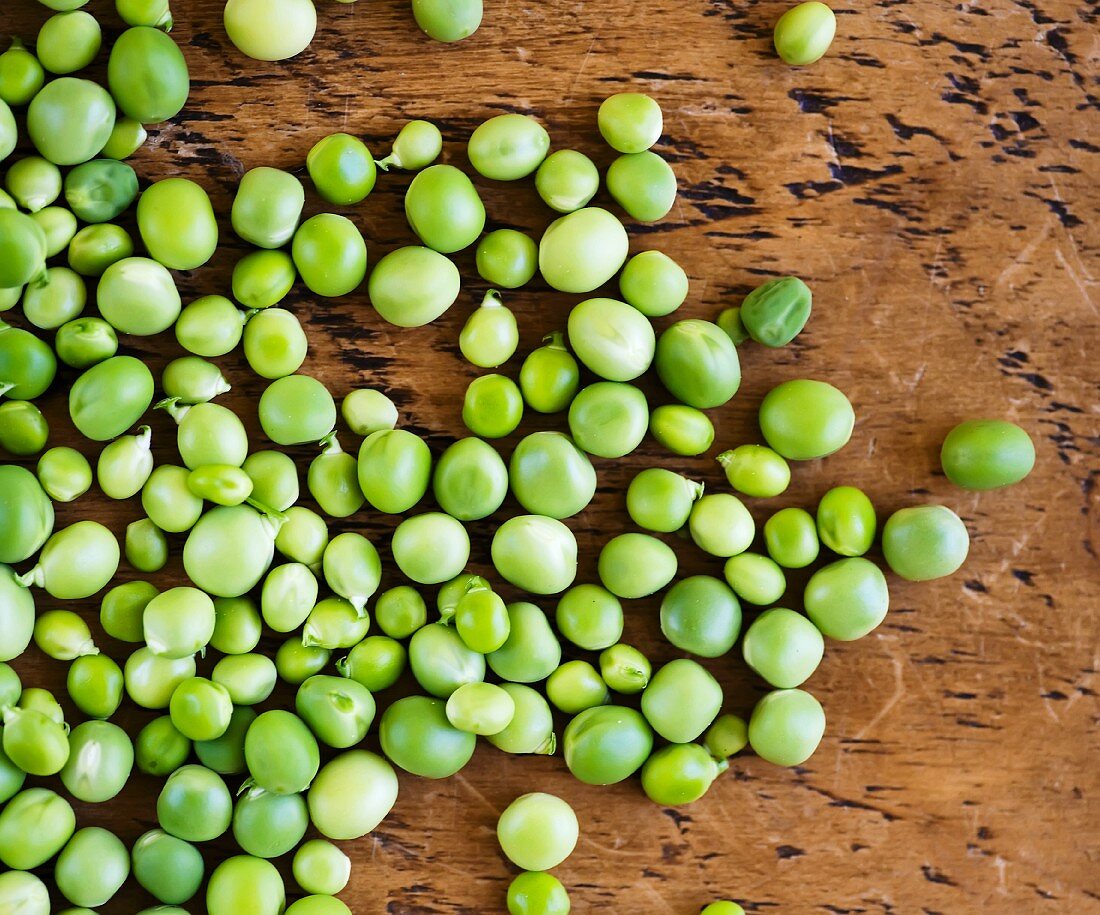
{"x": 803, "y": 33}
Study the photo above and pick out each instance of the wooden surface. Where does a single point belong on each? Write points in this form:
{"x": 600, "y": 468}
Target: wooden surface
{"x": 934, "y": 179}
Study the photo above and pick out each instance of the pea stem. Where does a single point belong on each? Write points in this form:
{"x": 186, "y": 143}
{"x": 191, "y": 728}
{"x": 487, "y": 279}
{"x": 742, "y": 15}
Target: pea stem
{"x": 173, "y": 408}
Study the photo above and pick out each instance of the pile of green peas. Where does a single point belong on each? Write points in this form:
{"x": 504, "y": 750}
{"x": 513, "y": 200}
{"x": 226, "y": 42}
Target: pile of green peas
{"x": 259, "y": 563}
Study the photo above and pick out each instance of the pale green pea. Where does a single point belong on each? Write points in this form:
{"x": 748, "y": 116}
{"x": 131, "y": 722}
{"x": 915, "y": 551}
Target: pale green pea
{"x": 681, "y": 429}
{"x": 590, "y": 617}
{"x": 335, "y": 623}
{"x": 160, "y": 749}
{"x": 986, "y": 454}
{"x": 178, "y": 623}
{"x": 274, "y": 479}
{"x": 124, "y": 465}
{"x": 609, "y": 419}
{"x": 33, "y": 183}
{"x": 23, "y": 246}
{"x": 303, "y": 537}
{"x": 151, "y": 679}
{"x": 755, "y": 578}
{"x": 145, "y": 546}
{"x": 222, "y": 484}
{"x": 94, "y": 248}
{"x": 847, "y": 599}
{"x": 63, "y": 635}
{"x": 95, "y": 685}
{"x": 59, "y": 297}
{"x": 492, "y": 406}
{"x": 76, "y": 561}
{"x": 413, "y": 286}
{"x": 786, "y": 727}
{"x": 237, "y": 531}
{"x": 660, "y": 500}
{"x": 267, "y": 207}
{"x": 636, "y": 565}
{"x": 138, "y": 296}
{"x": 367, "y": 410}
{"x": 210, "y": 326}
{"x": 274, "y": 343}
{"x": 582, "y": 250}
{"x": 508, "y": 147}
{"x": 92, "y": 867}
{"x": 625, "y": 669}
{"x": 27, "y": 518}
{"x": 333, "y": 480}
{"x": 612, "y": 339}
{"x": 281, "y": 752}
{"x": 237, "y": 625}
{"x": 263, "y": 278}
{"x": 175, "y": 218}
{"x": 791, "y": 538}
{"x": 33, "y": 698}
{"x": 296, "y": 662}
{"x": 207, "y": 433}
{"x": 68, "y": 42}
{"x": 289, "y": 594}
{"x": 400, "y": 611}
{"x": 470, "y": 480}
{"x": 576, "y": 686}
{"x": 295, "y": 410}
{"x": 566, "y": 180}
{"x": 653, "y": 283}
{"x": 245, "y": 883}
{"x": 549, "y": 376}
{"x": 248, "y": 678}
{"x": 351, "y": 795}
{"x": 352, "y": 568}
{"x": 154, "y": 13}
{"x": 481, "y": 708}
{"x": 846, "y": 521}
{"x": 643, "y": 184}
{"x": 630, "y": 122}
{"x": 192, "y": 380}
{"x": 430, "y": 548}
{"x": 321, "y": 867}
{"x": 507, "y": 258}
{"x": 924, "y": 542}
{"x": 99, "y": 764}
{"x": 58, "y": 225}
{"x": 551, "y": 476}
{"x": 531, "y": 652}
{"x": 756, "y": 470}
{"x": 35, "y": 742}
{"x": 377, "y": 662}
{"x": 783, "y": 647}
{"x": 247, "y": 23}
{"x": 451, "y": 592}
{"x": 447, "y": 20}
{"x": 537, "y": 831}
{"x": 728, "y": 736}
{"x": 441, "y": 662}
{"x": 490, "y": 335}
{"x": 531, "y": 729}
{"x": 681, "y": 700}
{"x": 697, "y": 362}
{"x": 721, "y": 525}
{"x": 417, "y": 144}
{"x": 535, "y": 553}
{"x": 805, "y": 419}
{"x": 127, "y": 137}
{"x": 729, "y": 319}
{"x": 168, "y": 500}
{"x": 342, "y": 169}
{"x": 803, "y": 33}
{"x": 64, "y": 473}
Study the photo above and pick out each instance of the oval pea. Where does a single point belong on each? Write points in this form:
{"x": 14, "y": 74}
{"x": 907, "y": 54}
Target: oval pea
{"x": 508, "y": 147}
{"x": 681, "y": 700}
{"x": 447, "y": 21}
{"x": 630, "y": 122}
{"x": 481, "y": 708}
{"x": 27, "y": 365}
{"x": 56, "y": 299}
{"x": 23, "y": 429}
{"x": 566, "y": 180}
{"x": 490, "y": 335}
{"x": 531, "y": 652}
{"x": 755, "y": 578}
{"x": 33, "y": 183}
{"x": 168, "y": 501}
{"x": 847, "y": 599}
{"x": 100, "y": 759}
{"x": 679, "y": 774}
{"x": 76, "y": 561}
{"x": 660, "y": 500}
{"x": 625, "y": 669}
{"x": 786, "y": 727}
{"x": 295, "y": 410}
{"x": 351, "y": 795}
{"x": 59, "y": 227}
{"x": 248, "y": 25}
{"x": 441, "y": 662}
{"x": 26, "y": 514}
{"x": 681, "y": 429}
{"x": 168, "y": 868}
{"x": 846, "y": 521}
{"x": 222, "y": 484}
{"x": 21, "y": 75}
{"x": 470, "y": 480}
{"x": 377, "y": 662}
{"x": 229, "y": 530}
{"x": 806, "y": 419}
{"x": 606, "y": 744}
{"x": 611, "y": 338}
{"x": 791, "y": 538}
{"x": 176, "y": 222}
{"x": 417, "y": 144}
{"x": 330, "y": 255}
{"x": 296, "y": 663}
{"x": 609, "y": 418}
{"x": 245, "y": 883}
{"x": 94, "y": 248}
{"x": 481, "y": 620}
{"x": 643, "y": 184}
{"x": 125, "y": 464}
{"x": 269, "y": 825}
{"x": 138, "y": 296}
{"x": 160, "y": 749}
{"x": 34, "y": 826}
{"x": 549, "y": 377}
{"x": 636, "y": 565}
{"x": 803, "y": 33}
{"x": 95, "y": 685}
{"x": 551, "y": 476}
{"x": 69, "y": 121}
{"x": 63, "y": 635}
{"x": 783, "y": 647}
{"x": 394, "y": 470}
{"x": 333, "y": 481}
{"x": 207, "y": 433}
{"x": 775, "y": 313}
{"x": 274, "y": 479}
{"x": 192, "y": 380}
{"x": 267, "y": 207}
{"x": 32, "y": 740}
{"x": 531, "y": 729}
{"x": 984, "y": 454}
{"x": 23, "y": 246}
{"x": 274, "y": 343}
{"x": 535, "y": 553}
{"x": 321, "y": 867}
{"x": 507, "y": 258}
{"x": 727, "y": 736}
{"x": 444, "y": 209}
{"x": 418, "y": 738}
{"x": 303, "y": 537}
{"x": 924, "y": 542}
{"x": 412, "y": 286}
{"x": 64, "y": 474}
{"x": 653, "y": 283}
{"x": 338, "y": 710}
{"x": 147, "y": 75}
{"x": 367, "y": 410}
{"x": 194, "y": 804}
{"x": 697, "y": 362}
{"x": 755, "y": 470}
{"x": 100, "y": 190}
{"x": 582, "y": 250}
{"x": 334, "y": 623}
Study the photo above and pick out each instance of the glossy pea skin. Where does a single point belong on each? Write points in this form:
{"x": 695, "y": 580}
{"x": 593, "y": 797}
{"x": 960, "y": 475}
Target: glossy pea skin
{"x": 566, "y": 180}
{"x": 549, "y": 377}
{"x": 611, "y": 338}
{"x": 236, "y": 531}
{"x": 400, "y": 611}
{"x": 222, "y": 484}
{"x": 470, "y": 480}
{"x": 334, "y": 483}
{"x": 68, "y": 42}
{"x": 643, "y": 184}
{"x": 125, "y": 464}
{"x": 721, "y": 525}
{"x": 537, "y": 831}
{"x": 177, "y": 224}
{"x": 193, "y": 380}
{"x": 154, "y": 13}
{"x": 94, "y": 248}
{"x": 26, "y": 363}
{"x": 21, "y": 75}
{"x": 576, "y": 686}
{"x": 23, "y": 246}
{"x": 9, "y": 137}
{"x": 100, "y": 759}
{"x": 245, "y": 884}
{"x": 59, "y": 227}
{"x": 681, "y": 429}
{"x": 76, "y": 561}
{"x": 303, "y": 537}
{"x": 481, "y": 620}
{"x": 441, "y": 662}
{"x": 722, "y": 908}
{"x": 100, "y": 190}
{"x": 775, "y": 313}
{"x": 351, "y": 795}
{"x": 791, "y": 538}
{"x": 430, "y": 548}
{"x": 531, "y": 729}
{"x": 609, "y": 419}
{"x": 64, "y": 474}
{"x": 417, "y": 145}
{"x": 755, "y": 579}
{"x": 803, "y": 33}
{"x": 756, "y": 470}
{"x": 630, "y": 122}
{"x": 338, "y": 710}
{"x": 267, "y": 207}
{"x": 480, "y": 708}
{"x": 34, "y": 742}
{"x": 783, "y": 647}
{"x": 590, "y": 617}
{"x": 697, "y": 362}
{"x": 582, "y": 250}
{"x": 151, "y": 679}
{"x": 19, "y": 888}
{"x": 701, "y": 614}
{"x": 208, "y": 434}
{"x": 342, "y": 169}
{"x": 26, "y": 516}
{"x": 606, "y": 744}
{"x": 274, "y": 479}
{"x": 535, "y": 553}
{"x": 296, "y": 409}
{"x": 92, "y": 867}
{"x": 23, "y": 428}
{"x": 281, "y": 752}
{"x": 924, "y": 542}
{"x": 248, "y": 678}
{"x": 69, "y": 121}
{"x": 237, "y": 625}
{"x": 138, "y": 296}
{"x": 653, "y": 283}
{"x": 551, "y": 476}
{"x": 786, "y": 727}
{"x": 330, "y": 254}
{"x": 269, "y": 825}
{"x": 33, "y": 183}
{"x": 660, "y": 500}
{"x": 806, "y": 419}
{"x": 412, "y": 286}
{"x": 492, "y": 406}
{"x": 417, "y": 737}
{"x": 147, "y": 75}
{"x": 377, "y": 662}
{"x": 447, "y": 20}
{"x": 63, "y": 635}
{"x": 34, "y": 826}
{"x": 636, "y": 565}
{"x": 200, "y": 709}
{"x": 490, "y": 335}
{"x": 95, "y": 684}
{"x": 846, "y": 521}
{"x": 444, "y": 209}
{"x": 168, "y": 500}
{"x": 263, "y": 278}
{"x": 321, "y": 867}
{"x": 681, "y": 700}
{"x": 394, "y": 470}
{"x": 508, "y": 147}
{"x": 270, "y": 29}
{"x": 727, "y": 736}
{"x": 847, "y": 599}
{"x": 296, "y": 662}
{"x": 536, "y": 893}
{"x": 531, "y": 652}
{"x": 127, "y": 137}
{"x": 168, "y": 868}
{"x": 984, "y": 454}
{"x": 334, "y": 623}
{"x": 59, "y": 297}
{"x": 679, "y": 774}
{"x": 507, "y": 258}
{"x": 367, "y": 410}
{"x": 160, "y": 749}
{"x": 121, "y": 610}
{"x": 84, "y": 342}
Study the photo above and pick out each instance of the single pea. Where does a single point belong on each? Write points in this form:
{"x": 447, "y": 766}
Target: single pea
{"x": 630, "y": 122}
{"x": 178, "y": 622}
{"x": 153, "y": 13}
{"x": 36, "y": 743}
{"x": 229, "y": 530}
{"x": 537, "y": 831}
{"x": 417, "y": 145}
{"x": 27, "y": 364}
{"x": 660, "y": 500}
{"x": 33, "y": 182}
{"x": 27, "y": 518}
{"x": 100, "y": 190}
{"x": 267, "y": 207}
{"x": 470, "y": 480}
{"x": 100, "y": 759}
{"x": 755, "y": 579}
{"x": 549, "y": 377}
{"x": 138, "y": 296}
{"x": 537, "y": 893}
{"x": 756, "y": 470}
{"x": 338, "y": 710}
{"x": 21, "y": 75}
{"x": 609, "y": 418}
{"x": 566, "y": 180}
{"x": 805, "y": 419}
{"x": 481, "y": 620}
{"x": 193, "y": 380}
{"x": 303, "y": 537}
{"x": 986, "y": 454}
{"x": 95, "y": 684}
{"x": 846, "y": 521}
{"x": 263, "y": 278}
{"x": 636, "y": 565}
{"x": 296, "y": 409}
{"x": 70, "y": 120}
{"x": 84, "y": 342}
{"x": 59, "y": 227}
{"x": 168, "y": 500}
{"x": 56, "y": 299}
{"x": 924, "y": 542}
{"x": 447, "y": 20}
{"x": 783, "y": 647}
{"x": 335, "y": 623}
{"x": 75, "y": 562}
{"x": 281, "y": 752}
{"x": 33, "y": 698}
{"x": 23, "y": 429}
{"x": 417, "y": 737}
{"x": 625, "y": 669}
{"x": 643, "y": 184}
{"x": 352, "y": 568}
{"x": 550, "y": 476}
{"x": 721, "y": 525}
{"x": 342, "y": 169}
{"x": 270, "y": 29}
{"x": 535, "y": 553}
{"x": 351, "y": 795}
{"x": 274, "y": 480}
{"x": 321, "y": 867}
{"x": 492, "y": 406}
{"x": 412, "y": 286}
{"x": 775, "y": 312}
{"x": 151, "y": 679}
{"x": 368, "y": 410}
{"x": 63, "y": 635}
{"x": 296, "y": 662}
{"x": 701, "y": 614}
{"x": 679, "y": 774}
{"x": 444, "y": 209}
{"x": 681, "y": 429}
{"x": 125, "y": 464}
{"x": 333, "y": 480}
{"x": 791, "y": 538}
{"x": 237, "y": 625}
{"x": 222, "y": 484}
{"x": 200, "y": 708}
{"x": 120, "y": 612}
{"x": 23, "y": 246}
{"x": 698, "y": 364}
{"x": 377, "y": 662}
{"x": 269, "y": 825}
{"x": 847, "y": 599}
{"x": 19, "y": 888}
{"x": 590, "y": 617}
{"x": 727, "y": 736}
{"x": 34, "y": 826}
{"x": 94, "y": 248}
{"x": 441, "y": 662}
{"x": 10, "y": 687}
{"x": 803, "y": 33}
{"x": 606, "y": 744}
{"x": 451, "y": 592}
{"x": 245, "y": 883}
{"x": 681, "y": 700}
{"x": 400, "y": 611}
{"x": 582, "y": 250}
{"x": 611, "y": 338}
{"x": 168, "y": 868}
{"x": 531, "y": 652}
{"x": 722, "y": 908}
{"x": 127, "y": 137}
{"x": 653, "y": 283}
{"x": 490, "y": 335}
{"x": 576, "y": 686}
{"x": 330, "y": 254}
{"x": 480, "y": 708}
{"x": 786, "y": 727}
{"x": 64, "y": 473}
{"x": 508, "y": 147}
{"x": 147, "y": 75}
{"x": 177, "y": 224}
{"x": 194, "y": 804}
{"x": 160, "y": 749}
{"x": 248, "y": 678}
{"x": 92, "y": 867}
{"x": 531, "y": 729}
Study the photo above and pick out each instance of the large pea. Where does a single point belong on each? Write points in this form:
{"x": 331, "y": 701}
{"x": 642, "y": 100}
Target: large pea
{"x": 447, "y": 20}
{"x": 636, "y": 565}
{"x": 535, "y": 553}
{"x": 100, "y": 759}
{"x": 783, "y": 647}
{"x": 443, "y": 208}
{"x": 417, "y": 736}
{"x": 925, "y": 542}
{"x": 702, "y": 615}
{"x": 508, "y": 147}
{"x": 846, "y": 521}
{"x": 352, "y": 794}
{"x": 281, "y": 752}
{"x": 786, "y": 727}
{"x": 342, "y": 169}
{"x": 267, "y": 207}
{"x": 697, "y": 362}
{"x": 847, "y": 599}
{"x": 177, "y": 223}
{"x": 394, "y": 470}
{"x": 330, "y": 254}
{"x": 138, "y": 296}
{"x": 611, "y": 338}
{"x": 803, "y": 33}
{"x": 582, "y": 250}
{"x": 987, "y": 454}
{"x": 643, "y": 184}
{"x": 16, "y": 615}
{"x": 551, "y": 476}
{"x": 70, "y": 120}
{"x": 413, "y": 286}
{"x": 237, "y": 531}
{"x": 681, "y": 701}
{"x": 22, "y": 249}
{"x": 147, "y": 75}
{"x": 270, "y": 29}
{"x": 806, "y": 419}
{"x": 531, "y": 652}
{"x": 100, "y": 190}
{"x": 606, "y": 744}
{"x": 470, "y": 480}
{"x": 26, "y": 514}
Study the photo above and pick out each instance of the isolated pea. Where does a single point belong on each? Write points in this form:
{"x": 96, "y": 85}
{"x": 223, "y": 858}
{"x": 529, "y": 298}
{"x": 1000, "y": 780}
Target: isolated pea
{"x": 342, "y": 169}
{"x": 21, "y": 75}
{"x": 681, "y": 429}
{"x": 169, "y": 868}
{"x": 531, "y": 652}
{"x": 263, "y": 278}
{"x": 441, "y": 661}
{"x": 248, "y": 23}
{"x": 653, "y": 283}
{"x": 413, "y": 286}
{"x": 138, "y": 296}
{"x": 681, "y": 700}
{"x": 446, "y": 20}
{"x": 94, "y": 248}
{"x": 367, "y": 410}
{"x": 417, "y": 145}
{"x": 680, "y": 774}
{"x": 470, "y": 480}
{"x": 229, "y": 530}
{"x": 625, "y": 669}
{"x": 296, "y": 409}
{"x": 64, "y": 473}
{"x": 698, "y": 364}
{"x": 330, "y": 254}
{"x": 551, "y": 476}
{"x": 805, "y": 419}
{"x": 924, "y": 542}
{"x": 531, "y": 729}
{"x": 334, "y": 623}
{"x": 606, "y": 744}
{"x": 296, "y": 662}
{"x": 100, "y": 190}
{"x": 333, "y": 480}
{"x": 492, "y": 406}
{"x": 566, "y": 180}
{"x": 160, "y": 749}
{"x": 775, "y": 312}
{"x": 33, "y": 183}
{"x": 59, "y": 227}
{"x": 127, "y": 137}
{"x": 783, "y": 647}
{"x": 443, "y": 208}
{"x": 609, "y": 419}
{"x": 754, "y": 578}
{"x": 147, "y": 75}
{"x": 643, "y": 184}
{"x": 756, "y": 470}
{"x": 702, "y": 615}
{"x": 70, "y": 120}
{"x": 636, "y": 565}
{"x": 377, "y": 662}
{"x": 267, "y": 207}
{"x": 303, "y": 537}
{"x": 630, "y": 122}
{"x": 582, "y": 250}
{"x": 803, "y": 33}
{"x": 23, "y": 429}
{"x": 786, "y": 727}
{"x": 846, "y": 521}
{"x": 986, "y": 454}
{"x": 508, "y": 147}
{"x": 791, "y": 538}
{"x": 721, "y": 525}
{"x": 480, "y": 708}
{"x": 537, "y": 831}
{"x": 490, "y": 335}
{"x": 847, "y": 599}
{"x": 549, "y": 376}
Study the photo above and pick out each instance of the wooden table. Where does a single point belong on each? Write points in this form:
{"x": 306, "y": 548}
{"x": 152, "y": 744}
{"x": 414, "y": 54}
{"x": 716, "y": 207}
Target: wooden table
{"x": 934, "y": 180}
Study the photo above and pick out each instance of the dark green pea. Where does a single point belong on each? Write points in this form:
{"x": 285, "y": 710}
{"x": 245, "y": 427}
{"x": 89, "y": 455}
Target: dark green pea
{"x": 986, "y": 454}
{"x": 549, "y": 377}
{"x": 775, "y": 313}
{"x": 100, "y": 190}
{"x": 417, "y": 737}
{"x": 169, "y": 868}
{"x": 702, "y": 615}
{"x": 160, "y": 749}
{"x": 342, "y": 169}
{"x": 846, "y": 521}
{"x": 94, "y": 683}
{"x": 147, "y": 75}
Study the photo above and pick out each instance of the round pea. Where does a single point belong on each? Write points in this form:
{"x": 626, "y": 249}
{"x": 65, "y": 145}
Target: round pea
{"x": 697, "y": 362}
{"x": 755, "y": 579}
{"x": 447, "y": 20}
{"x": 70, "y": 121}
{"x": 168, "y": 500}
{"x": 531, "y": 652}
{"x": 338, "y": 710}
{"x": 417, "y": 144}
{"x": 417, "y": 737}
{"x": 76, "y": 561}
{"x": 84, "y": 342}
{"x": 535, "y": 553}
{"x": 846, "y": 521}
{"x": 34, "y": 742}
{"x": 721, "y": 525}
{"x": 151, "y": 679}
{"x": 630, "y": 122}
{"x": 653, "y": 283}
{"x": 400, "y": 611}
{"x": 200, "y": 708}
{"x": 679, "y": 774}
{"x": 263, "y": 278}
{"x": 582, "y": 250}
{"x": 576, "y": 686}
{"x": 508, "y": 147}
{"x": 168, "y": 868}
{"x": 94, "y": 248}
{"x": 321, "y": 867}
{"x": 681, "y": 700}
{"x": 21, "y": 75}
{"x": 481, "y": 620}
{"x": 351, "y": 795}
{"x": 791, "y": 538}
{"x": 636, "y": 565}
{"x": 681, "y": 429}
{"x": 25, "y": 892}
{"x": 660, "y": 500}
{"x": 23, "y": 246}
{"x": 786, "y": 727}
{"x": 58, "y": 298}
{"x": 296, "y": 409}
{"x": 609, "y": 418}
{"x": 480, "y": 708}
{"x": 330, "y": 255}
{"x": 333, "y": 481}
{"x": 643, "y": 184}
{"x": 160, "y": 749}
{"x": 245, "y": 883}
{"x": 701, "y": 614}
{"x": 64, "y": 474}
{"x": 296, "y": 662}
{"x": 756, "y": 470}
{"x": 137, "y": 295}
{"x": 986, "y": 454}
{"x": 470, "y": 480}
{"x": 303, "y": 537}
{"x": 367, "y": 410}
{"x": 100, "y": 190}
{"x": 805, "y": 419}
{"x": 267, "y": 207}
{"x": 625, "y": 669}
{"x": 775, "y": 313}
{"x": 590, "y": 617}
{"x": 34, "y": 826}
{"x": 335, "y": 623}
{"x": 59, "y": 227}
{"x": 847, "y": 599}
{"x": 342, "y": 169}
{"x": 27, "y": 365}
{"x": 33, "y": 182}
{"x": 9, "y": 137}
{"x": 23, "y": 429}
{"x": 549, "y": 376}
{"x": 531, "y": 729}
{"x": 566, "y": 180}
{"x": 443, "y": 208}
{"x": 412, "y": 286}
{"x": 100, "y": 759}
{"x": 924, "y": 542}
{"x": 269, "y": 825}
{"x": 236, "y": 531}
{"x": 270, "y": 29}
{"x": 538, "y": 831}
{"x": 606, "y": 744}
{"x": 535, "y": 893}
{"x": 803, "y": 33}
{"x": 147, "y": 75}
{"x": 92, "y": 867}
{"x": 274, "y": 480}
{"x": 722, "y": 908}
{"x": 783, "y": 647}
{"x": 377, "y": 662}
{"x": 492, "y": 406}
{"x": 550, "y": 476}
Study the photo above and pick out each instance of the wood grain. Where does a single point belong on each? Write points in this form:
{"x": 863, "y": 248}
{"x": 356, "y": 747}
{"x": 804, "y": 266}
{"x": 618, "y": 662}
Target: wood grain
{"x": 934, "y": 179}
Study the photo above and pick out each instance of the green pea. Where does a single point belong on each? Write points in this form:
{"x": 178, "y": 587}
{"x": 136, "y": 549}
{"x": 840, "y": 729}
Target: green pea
{"x": 70, "y": 121}
{"x": 803, "y": 33}
{"x": 727, "y": 736}
{"x": 296, "y": 409}
{"x": 267, "y": 207}
{"x": 192, "y": 380}
{"x": 23, "y": 246}
{"x": 507, "y": 258}
{"x": 417, "y": 144}
{"x": 723, "y": 908}
{"x": 701, "y": 614}
{"x": 846, "y": 521}
{"x": 10, "y": 687}
{"x": 248, "y": 23}
{"x": 330, "y": 254}
{"x": 92, "y": 867}
{"x": 21, "y": 75}
{"x": 924, "y": 542}
{"x": 508, "y": 147}
{"x": 783, "y": 647}
{"x": 351, "y": 795}
{"x": 23, "y": 428}
{"x": 679, "y": 774}
{"x": 986, "y": 454}
{"x": 34, "y": 826}
{"x": 535, "y": 893}
{"x": 537, "y": 831}
{"x": 590, "y": 617}
{"x": 531, "y": 652}
{"x": 418, "y": 738}
{"x": 413, "y": 286}
{"x": 531, "y": 729}
{"x": 274, "y": 343}
{"x": 200, "y": 708}
{"x": 847, "y": 599}
{"x": 154, "y": 13}
{"x": 611, "y": 338}
{"x": 168, "y": 500}
{"x": 377, "y": 662}
{"x": 229, "y": 550}
{"x": 636, "y": 565}
{"x": 566, "y": 180}
{"x": 26, "y": 519}
{"x": 274, "y": 479}
{"x": 269, "y": 825}
{"x": 681, "y": 700}
{"x": 549, "y": 377}
{"x": 151, "y": 679}
{"x": 127, "y": 137}
{"x": 59, "y": 227}
{"x": 296, "y": 662}
{"x": 57, "y": 298}
{"x": 338, "y": 710}
{"x": 12, "y": 778}
{"x": 147, "y": 75}
{"x": 786, "y": 727}
{"x": 582, "y": 250}
{"x": 100, "y": 190}
{"x": 625, "y": 669}
{"x": 729, "y": 319}
{"x": 168, "y": 868}
{"x": 248, "y": 678}
{"x": 237, "y": 625}
{"x": 653, "y": 283}
{"x": 681, "y": 429}
{"x": 34, "y": 742}
{"x": 443, "y": 208}
{"x": 609, "y": 419}
{"x": 303, "y": 537}
{"x": 137, "y": 295}
{"x": 210, "y": 326}
{"x": 245, "y": 883}
{"x": 25, "y": 892}
{"x": 447, "y": 20}
{"x": 27, "y": 364}
{"x": 176, "y": 222}
{"x": 33, "y": 182}
{"x": 550, "y": 476}
{"x": 791, "y": 538}
{"x": 660, "y": 500}
{"x": 490, "y": 335}
{"x": 333, "y": 481}
{"x": 125, "y": 464}
{"x": 76, "y": 561}
{"x": 321, "y": 867}
{"x": 100, "y": 759}
{"x": 122, "y": 608}
{"x": 368, "y": 410}
{"x": 161, "y": 749}
{"x": 431, "y": 548}
{"x": 643, "y": 184}
{"x": 85, "y": 342}
{"x": 281, "y": 752}
{"x": 64, "y": 474}
{"x": 94, "y": 248}
{"x": 63, "y": 635}
{"x": 606, "y": 744}
{"x": 207, "y": 434}
{"x": 480, "y": 708}
{"x": 470, "y": 480}
{"x": 755, "y": 579}
{"x": 775, "y": 313}
{"x": 756, "y": 470}
{"x": 721, "y": 525}
{"x": 493, "y": 406}
{"x": 352, "y": 568}
{"x": 335, "y": 623}
{"x": 805, "y": 419}
{"x": 95, "y": 683}
{"x": 698, "y": 364}
{"x": 263, "y": 278}
{"x": 576, "y": 686}
{"x": 441, "y": 661}
{"x": 481, "y": 620}
{"x": 33, "y": 698}
{"x": 630, "y": 122}
{"x": 342, "y": 169}
{"x": 222, "y": 484}
{"x": 535, "y": 553}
